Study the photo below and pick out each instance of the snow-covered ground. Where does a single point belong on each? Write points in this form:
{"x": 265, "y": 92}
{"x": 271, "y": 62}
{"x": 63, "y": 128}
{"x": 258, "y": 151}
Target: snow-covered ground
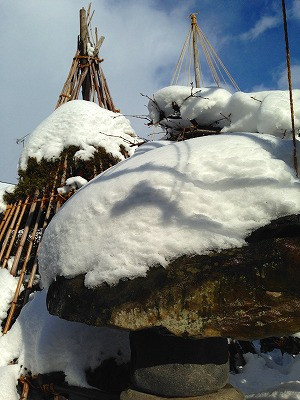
{"x": 8, "y": 284}
{"x": 269, "y": 376}
{"x": 177, "y": 107}
{"x": 79, "y": 123}
{"x": 43, "y": 343}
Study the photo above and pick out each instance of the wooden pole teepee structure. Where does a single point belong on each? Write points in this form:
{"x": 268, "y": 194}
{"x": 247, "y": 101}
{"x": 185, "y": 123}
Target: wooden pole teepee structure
{"x": 86, "y": 74}
{"x": 190, "y": 56}
{"x": 36, "y": 199}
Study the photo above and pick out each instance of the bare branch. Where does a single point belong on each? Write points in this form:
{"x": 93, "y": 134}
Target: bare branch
{"x": 132, "y": 144}
{"x": 133, "y": 116}
{"x": 252, "y": 97}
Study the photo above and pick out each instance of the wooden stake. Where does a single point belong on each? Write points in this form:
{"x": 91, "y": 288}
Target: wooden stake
{"x": 12, "y": 241}
{"x": 10, "y": 229}
{"x": 24, "y": 266}
{"x": 8, "y": 218}
{"x": 45, "y": 223}
{"x": 4, "y": 219}
{"x": 23, "y": 239}
{"x": 83, "y": 32}
{"x": 98, "y": 45}
{"x": 195, "y": 50}
{"x": 25, "y": 391}
{"x": 62, "y": 181}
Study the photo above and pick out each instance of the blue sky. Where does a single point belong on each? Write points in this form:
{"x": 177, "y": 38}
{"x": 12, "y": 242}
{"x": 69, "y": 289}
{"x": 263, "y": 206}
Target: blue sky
{"x": 143, "y": 40}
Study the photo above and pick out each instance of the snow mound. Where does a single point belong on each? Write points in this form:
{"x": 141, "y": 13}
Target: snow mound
{"x": 79, "y": 123}
{"x": 269, "y": 376}
{"x": 73, "y": 183}
{"x": 184, "y": 198}
{"x": 8, "y": 284}
{"x": 43, "y": 343}
{"x": 177, "y": 107}
{"x": 4, "y": 187}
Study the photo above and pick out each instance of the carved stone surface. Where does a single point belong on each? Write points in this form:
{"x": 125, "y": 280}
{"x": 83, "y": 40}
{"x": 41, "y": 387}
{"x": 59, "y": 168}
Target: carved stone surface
{"x": 244, "y": 293}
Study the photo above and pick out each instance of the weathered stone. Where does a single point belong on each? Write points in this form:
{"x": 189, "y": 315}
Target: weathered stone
{"x": 171, "y": 366}
{"x": 226, "y": 393}
{"x": 244, "y": 293}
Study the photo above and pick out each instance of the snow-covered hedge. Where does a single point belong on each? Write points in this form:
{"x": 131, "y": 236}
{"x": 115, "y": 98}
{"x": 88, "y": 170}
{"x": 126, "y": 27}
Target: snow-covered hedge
{"x": 4, "y": 189}
{"x": 82, "y": 124}
{"x": 177, "y": 107}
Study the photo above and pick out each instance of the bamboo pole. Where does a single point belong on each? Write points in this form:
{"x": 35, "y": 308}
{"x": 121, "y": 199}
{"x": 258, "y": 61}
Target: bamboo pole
{"x": 107, "y": 92}
{"x": 67, "y": 87}
{"x": 100, "y": 97}
{"x": 24, "y": 206}
{"x": 92, "y": 80}
{"x": 80, "y": 82}
{"x": 45, "y": 223}
{"x": 23, "y": 238}
{"x": 62, "y": 181}
{"x": 23, "y": 269}
{"x": 24, "y": 266}
{"x": 7, "y": 222}
{"x": 102, "y": 84}
{"x": 10, "y": 229}
{"x": 25, "y": 391}
{"x": 7, "y": 211}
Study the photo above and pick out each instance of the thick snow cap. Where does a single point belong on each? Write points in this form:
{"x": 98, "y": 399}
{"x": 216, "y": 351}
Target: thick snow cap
{"x": 177, "y": 107}
{"x": 79, "y": 123}
{"x": 183, "y": 198}
{"x": 4, "y": 188}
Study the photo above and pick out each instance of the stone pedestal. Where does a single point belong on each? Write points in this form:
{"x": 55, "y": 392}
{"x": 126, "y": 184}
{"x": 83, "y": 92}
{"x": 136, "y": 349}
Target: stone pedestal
{"x": 170, "y": 366}
{"x": 226, "y": 393}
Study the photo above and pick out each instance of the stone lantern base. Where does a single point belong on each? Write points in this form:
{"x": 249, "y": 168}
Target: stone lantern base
{"x": 167, "y": 366}
{"x": 226, "y": 393}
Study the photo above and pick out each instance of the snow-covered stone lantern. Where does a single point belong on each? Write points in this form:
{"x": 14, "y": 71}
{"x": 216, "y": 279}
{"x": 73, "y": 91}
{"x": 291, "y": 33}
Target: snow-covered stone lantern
{"x": 183, "y": 252}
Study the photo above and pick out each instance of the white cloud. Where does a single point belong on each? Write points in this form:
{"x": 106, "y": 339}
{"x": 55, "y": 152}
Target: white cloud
{"x": 39, "y": 40}
{"x": 282, "y": 81}
{"x": 296, "y": 9}
{"x": 262, "y": 25}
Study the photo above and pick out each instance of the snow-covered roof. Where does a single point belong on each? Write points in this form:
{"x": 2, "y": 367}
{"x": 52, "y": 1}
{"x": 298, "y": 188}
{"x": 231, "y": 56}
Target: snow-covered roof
{"x": 177, "y": 107}
{"x": 183, "y": 198}
{"x": 79, "y": 123}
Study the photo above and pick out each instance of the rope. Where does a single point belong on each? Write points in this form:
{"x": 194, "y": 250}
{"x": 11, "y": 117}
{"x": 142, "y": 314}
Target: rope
{"x": 180, "y": 60}
{"x": 216, "y": 66}
{"x": 288, "y": 63}
{"x": 88, "y": 57}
